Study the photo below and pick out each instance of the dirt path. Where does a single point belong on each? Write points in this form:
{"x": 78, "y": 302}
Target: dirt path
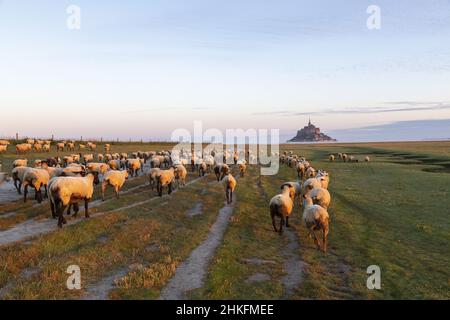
{"x": 101, "y": 289}
{"x": 8, "y": 193}
{"x": 32, "y": 228}
{"x": 293, "y": 266}
{"x": 191, "y": 273}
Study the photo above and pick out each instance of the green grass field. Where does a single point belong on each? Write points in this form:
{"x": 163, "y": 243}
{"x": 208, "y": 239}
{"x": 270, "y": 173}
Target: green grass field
{"x": 392, "y": 212}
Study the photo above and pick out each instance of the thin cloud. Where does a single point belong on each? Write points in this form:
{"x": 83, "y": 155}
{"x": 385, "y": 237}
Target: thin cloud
{"x": 399, "y": 106}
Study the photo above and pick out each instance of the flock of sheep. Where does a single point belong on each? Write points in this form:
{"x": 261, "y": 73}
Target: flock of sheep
{"x": 70, "y": 179}
{"x": 312, "y": 193}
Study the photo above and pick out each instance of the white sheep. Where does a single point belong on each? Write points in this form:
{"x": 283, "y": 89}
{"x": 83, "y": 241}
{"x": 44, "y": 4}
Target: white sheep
{"x": 331, "y": 157}
{"x": 37, "y": 178}
{"x": 3, "y": 148}
{"x": 320, "y": 196}
{"x": 367, "y": 159}
{"x": 65, "y": 191}
{"x": 295, "y": 190}
{"x": 221, "y": 170}
{"x": 23, "y": 147}
{"x": 17, "y": 175}
{"x": 153, "y": 177}
{"x": 98, "y": 167}
{"x": 281, "y": 206}
{"x": 20, "y": 163}
{"x": 310, "y": 172}
{"x": 180, "y": 174}
{"x": 134, "y": 165}
{"x": 116, "y": 179}
{"x": 242, "y": 167}
{"x": 229, "y": 183}
{"x": 316, "y": 218}
{"x": 165, "y": 178}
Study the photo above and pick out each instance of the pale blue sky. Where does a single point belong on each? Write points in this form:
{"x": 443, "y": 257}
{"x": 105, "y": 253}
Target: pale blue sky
{"x": 145, "y": 68}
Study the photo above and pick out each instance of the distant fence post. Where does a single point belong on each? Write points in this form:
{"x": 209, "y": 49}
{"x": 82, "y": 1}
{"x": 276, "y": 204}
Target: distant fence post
{"x": 17, "y": 136}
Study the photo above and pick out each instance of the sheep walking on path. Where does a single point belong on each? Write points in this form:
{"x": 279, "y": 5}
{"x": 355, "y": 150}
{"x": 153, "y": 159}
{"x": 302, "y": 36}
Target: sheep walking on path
{"x": 281, "y": 206}
{"x": 316, "y": 218}
{"x": 229, "y": 184}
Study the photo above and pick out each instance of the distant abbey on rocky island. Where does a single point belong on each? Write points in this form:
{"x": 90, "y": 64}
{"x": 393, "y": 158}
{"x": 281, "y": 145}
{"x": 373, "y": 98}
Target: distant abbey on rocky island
{"x": 310, "y": 133}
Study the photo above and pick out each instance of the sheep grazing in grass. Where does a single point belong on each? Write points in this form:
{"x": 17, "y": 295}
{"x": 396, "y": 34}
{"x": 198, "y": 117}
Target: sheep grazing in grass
{"x": 74, "y": 170}
{"x": 367, "y": 159}
{"x": 37, "y": 178}
{"x": 4, "y": 143}
{"x": 107, "y": 148}
{"x": 46, "y": 148}
{"x": 344, "y": 157}
{"x": 81, "y": 147}
{"x": 17, "y": 175}
{"x": 316, "y": 218}
{"x": 100, "y": 157}
{"x": 180, "y": 174}
{"x": 60, "y": 146}
{"x": 352, "y": 159}
{"x": 242, "y": 167}
{"x": 331, "y": 157}
{"x": 153, "y": 177}
{"x": 116, "y": 179}
{"x": 65, "y": 191}
{"x": 165, "y": 178}
{"x": 229, "y": 183}
{"x": 301, "y": 170}
{"x": 295, "y": 190}
{"x": 310, "y": 172}
{"x": 3, "y": 148}
{"x": 281, "y": 206}
{"x": 23, "y": 147}
{"x": 70, "y": 146}
{"x": 134, "y": 165}
{"x": 68, "y": 160}
{"x": 221, "y": 170}
{"x": 311, "y": 183}
{"x": 30, "y": 141}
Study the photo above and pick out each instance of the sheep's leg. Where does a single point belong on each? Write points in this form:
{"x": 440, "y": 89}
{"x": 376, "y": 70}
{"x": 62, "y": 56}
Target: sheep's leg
{"x": 103, "y": 190}
{"x": 46, "y": 191}
{"x": 52, "y": 208}
{"x": 39, "y": 195}
{"x": 60, "y": 210}
{"x": 274, "y": 224}
{"x": 231, "y": 196}
{"x": 18, "y": 188}
{"x": 116, "y": 188}
{"x": 325, "y": 238}
{"x": 170, "y": 188}
{"x": 316, "y": 241}
{"x": 287, "y": 222}
{"x": 25, "y": 192}
{"x": 86, "y": 208}
{"x": 76, "y": 208}
{"x": 281, "y": 224}
{"x": 69, "y": 209}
